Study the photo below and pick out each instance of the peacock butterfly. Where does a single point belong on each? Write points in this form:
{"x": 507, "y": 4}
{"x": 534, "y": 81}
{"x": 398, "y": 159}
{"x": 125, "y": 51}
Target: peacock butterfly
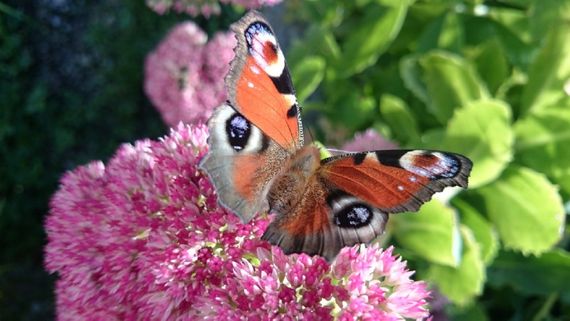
{"x": 258, "y": 161}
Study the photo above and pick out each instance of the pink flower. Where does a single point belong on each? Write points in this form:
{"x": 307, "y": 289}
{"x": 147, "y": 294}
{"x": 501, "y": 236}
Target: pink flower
{"x": 204, "y": 7}
{"x": 184, "y": 75}
{"x": 362, "y": 283}
{"x": 368, "y": 140}
{"x": 142, "y": 238}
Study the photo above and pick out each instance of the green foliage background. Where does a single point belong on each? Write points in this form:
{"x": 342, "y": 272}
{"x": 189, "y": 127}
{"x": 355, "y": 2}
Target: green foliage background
{"x": 489, "y": 79}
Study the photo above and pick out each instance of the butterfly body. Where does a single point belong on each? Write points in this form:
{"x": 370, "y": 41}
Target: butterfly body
{"x": 287, "y": 191}
{"x": 258, "y": 162}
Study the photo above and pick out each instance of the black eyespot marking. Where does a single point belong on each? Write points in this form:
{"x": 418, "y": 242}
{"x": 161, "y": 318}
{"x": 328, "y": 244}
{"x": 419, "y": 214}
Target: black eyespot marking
{"x": 292, "y": 112}
{"x": 264, "y": 144}
{"x": 238, "y": 130}
{"x": 334, "y": 196}
{"x": 355, "y": 216}
{"x": 358, "y": 158}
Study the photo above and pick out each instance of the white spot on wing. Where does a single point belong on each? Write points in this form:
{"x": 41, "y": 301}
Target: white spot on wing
{"x": 255, "y": 70}
{"x": 291, "y": 99}
{"x": 250, "y": 84}
{"x": 400, "y": 187}
{"x": 443, "y": 165}
{"x": 274, "y": 69}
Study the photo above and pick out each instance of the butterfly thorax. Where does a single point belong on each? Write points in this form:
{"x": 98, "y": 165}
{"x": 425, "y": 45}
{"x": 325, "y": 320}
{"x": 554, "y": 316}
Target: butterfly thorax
{"x": 288, "y": 188}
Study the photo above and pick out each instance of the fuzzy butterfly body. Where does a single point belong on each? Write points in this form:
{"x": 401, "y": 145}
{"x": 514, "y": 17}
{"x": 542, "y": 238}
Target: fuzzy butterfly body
{"x": 258, "y": 162}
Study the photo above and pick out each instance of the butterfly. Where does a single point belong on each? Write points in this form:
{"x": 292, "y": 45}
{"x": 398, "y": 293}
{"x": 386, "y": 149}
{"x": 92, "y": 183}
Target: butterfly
{"x": 258, "y": 162}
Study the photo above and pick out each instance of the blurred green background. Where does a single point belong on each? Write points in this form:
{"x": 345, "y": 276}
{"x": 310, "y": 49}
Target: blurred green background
{"x": 489, "y": 79}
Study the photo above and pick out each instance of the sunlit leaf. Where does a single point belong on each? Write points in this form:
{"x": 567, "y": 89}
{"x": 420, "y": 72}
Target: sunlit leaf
{"x": 525, "y": 208}
{"x": 543, "y": 138}
{"x": 549, "y": 73}
{"x": 451, "y": 83}
{"x": 462, "y": 283}
{"x": 481, "y": 131}
{"x": 432, "y": 233}
{"x": 482, "y": 229}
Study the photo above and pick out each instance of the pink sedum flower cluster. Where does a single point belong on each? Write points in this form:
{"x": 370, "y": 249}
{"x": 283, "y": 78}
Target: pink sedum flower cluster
{"x": 204, "y": 7}
{"x": 142, "y": 238}
{"x": 184, "y": 75}
{"x": 368, "y": 140}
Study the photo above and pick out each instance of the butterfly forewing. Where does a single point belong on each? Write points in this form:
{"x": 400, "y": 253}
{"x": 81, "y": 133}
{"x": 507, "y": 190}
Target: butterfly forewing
{"x": 396, "y": 180}
{"x": 259, "y": 84}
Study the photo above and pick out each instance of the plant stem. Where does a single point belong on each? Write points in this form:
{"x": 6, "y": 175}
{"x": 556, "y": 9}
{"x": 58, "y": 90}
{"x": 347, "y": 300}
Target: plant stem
{"x": 548, "y": 303}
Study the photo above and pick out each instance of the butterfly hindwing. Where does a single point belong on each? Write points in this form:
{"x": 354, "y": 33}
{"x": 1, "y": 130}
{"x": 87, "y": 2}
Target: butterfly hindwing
{"x": 241, "y": 162}
{"x": 327, "y": 220}
{"x": 349, "y": 197}
{"x": 259, "y": 84}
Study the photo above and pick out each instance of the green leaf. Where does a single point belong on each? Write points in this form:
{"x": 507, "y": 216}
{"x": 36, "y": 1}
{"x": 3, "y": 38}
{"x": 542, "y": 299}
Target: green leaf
{"x": 451, "y": 37}
{"x": 481, "y": 131}
{"x": 544, "y": 274}
{"x": 411, "y": 75}
{"x": 432, "y": 233}
{"x": 397, "y": 115}
{"x": 491, "y": 64}
{"x": 546, "y": 14}
{"x": 516, "y": 21}
{"x": 525, "y": 208}
{"x": 483, "y": 231}
{"x": 479, "y": 30}
{"x": 433, "y": 138}
{"x": 473, "y": 312}
{"x": 517, "y": 50}
{"x": 462, "y": 283}
{"x": 549, "y": 73}
{"x": 371, "y": 34}
{"x": 542, "y": 142}
{"x": 450, "y": 82}
{"x": 349, "y": 107}
{"x": 307, "y": 75}
{"x": 445, "y": 32}
{"x": 317, "y": 41}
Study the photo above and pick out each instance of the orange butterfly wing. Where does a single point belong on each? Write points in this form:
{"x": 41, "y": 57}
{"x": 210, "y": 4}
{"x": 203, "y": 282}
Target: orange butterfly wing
{"x": 348, "y": 198}
{"x": 396, "y": 180}
{"x": 241, "y": 162}
{"x": 259, "y": 83}
{"x": 326, "y": 220}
